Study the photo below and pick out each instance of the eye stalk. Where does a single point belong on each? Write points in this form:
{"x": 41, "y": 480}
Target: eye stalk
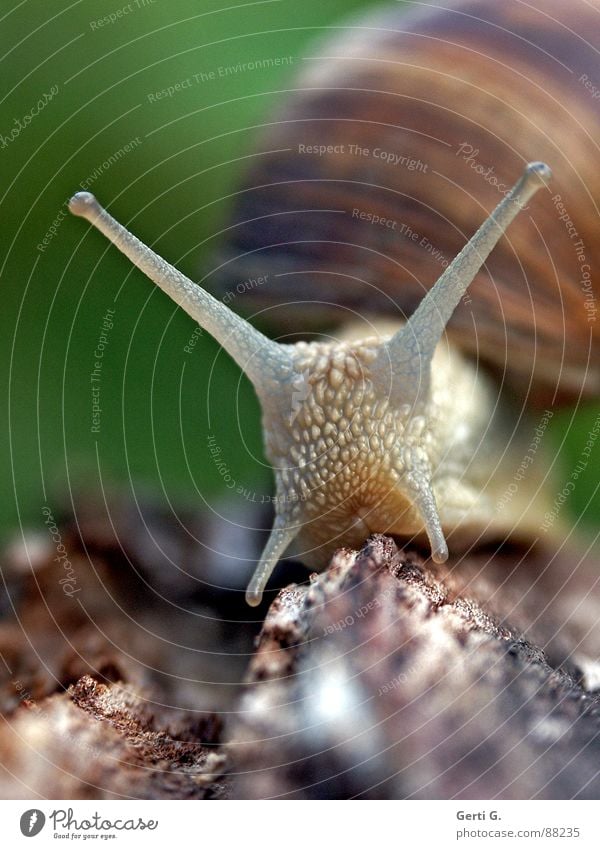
{"x": 411, "y": 349}
{"x": 395, "y": 376}
{"x": 257, "y": 355}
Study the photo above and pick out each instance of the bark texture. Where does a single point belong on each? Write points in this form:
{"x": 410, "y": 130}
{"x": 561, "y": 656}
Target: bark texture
{"x": 386, "y": 680}
{"x": 380, "y": 677}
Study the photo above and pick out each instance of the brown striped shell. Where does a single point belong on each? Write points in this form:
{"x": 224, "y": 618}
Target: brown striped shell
{"x": 424, "y": 118}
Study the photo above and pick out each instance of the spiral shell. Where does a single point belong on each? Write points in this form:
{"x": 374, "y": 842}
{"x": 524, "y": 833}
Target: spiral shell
{"x": 391, "y": 149}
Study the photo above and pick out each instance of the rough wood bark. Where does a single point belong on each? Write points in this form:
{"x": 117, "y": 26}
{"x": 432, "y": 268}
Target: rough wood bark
{"x": 386, "y": 680}
{"x": 382, "y": 678}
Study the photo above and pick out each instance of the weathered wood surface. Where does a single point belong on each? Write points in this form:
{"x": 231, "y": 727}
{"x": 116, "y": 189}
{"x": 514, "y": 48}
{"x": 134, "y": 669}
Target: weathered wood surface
{"x": 382, "y": 678}
{"x": 386, "y": 680}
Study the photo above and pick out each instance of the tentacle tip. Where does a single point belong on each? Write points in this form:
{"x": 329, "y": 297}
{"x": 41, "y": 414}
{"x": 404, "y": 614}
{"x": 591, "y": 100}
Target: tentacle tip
{"x": 253, "y": 597}
{"x": 539, "y": 171}
{"x": 83, "y": 204}
{"x": 440, "y": 554}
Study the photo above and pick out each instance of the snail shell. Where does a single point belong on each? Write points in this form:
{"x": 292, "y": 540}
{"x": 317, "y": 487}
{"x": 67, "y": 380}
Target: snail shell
{"x": 422, "y": 118}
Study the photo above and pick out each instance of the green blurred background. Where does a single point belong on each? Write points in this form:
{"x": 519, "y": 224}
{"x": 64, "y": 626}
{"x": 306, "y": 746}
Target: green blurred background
{"x": 173, "y": 188}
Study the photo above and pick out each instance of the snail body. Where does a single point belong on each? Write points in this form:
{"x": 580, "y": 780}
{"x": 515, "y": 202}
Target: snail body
{"x": 353, "y": 463}
{"x": 373, "y": 180}
{"x": 384, "y": 434}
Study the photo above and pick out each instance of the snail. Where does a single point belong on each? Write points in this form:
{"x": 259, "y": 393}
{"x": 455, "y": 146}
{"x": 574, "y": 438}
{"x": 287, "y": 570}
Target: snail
{"x": 395, "y": 430}
{"x": 379, "y": 442}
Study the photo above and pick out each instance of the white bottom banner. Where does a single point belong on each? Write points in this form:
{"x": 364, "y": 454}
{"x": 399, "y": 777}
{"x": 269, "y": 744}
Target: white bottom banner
{"x": 352, "y": 824}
